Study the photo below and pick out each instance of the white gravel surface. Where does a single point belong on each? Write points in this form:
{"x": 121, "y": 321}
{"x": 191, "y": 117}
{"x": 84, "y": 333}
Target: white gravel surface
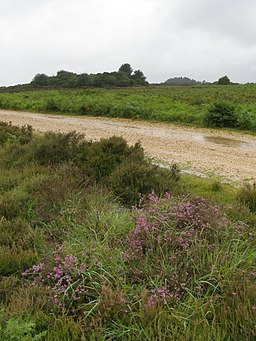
{"x": 231, "y": 155}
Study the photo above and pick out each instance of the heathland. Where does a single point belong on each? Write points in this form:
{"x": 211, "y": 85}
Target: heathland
{"x": 97, "y": 243}
{"x": 202, "y": 105}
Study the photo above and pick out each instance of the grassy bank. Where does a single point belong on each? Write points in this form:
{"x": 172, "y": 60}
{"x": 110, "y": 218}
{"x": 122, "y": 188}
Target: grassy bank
{"x": 186, "y": 105}
{"x": 96, "y": 243}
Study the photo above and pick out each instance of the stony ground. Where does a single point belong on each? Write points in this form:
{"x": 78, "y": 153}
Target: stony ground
{"x": 231, "y": 155}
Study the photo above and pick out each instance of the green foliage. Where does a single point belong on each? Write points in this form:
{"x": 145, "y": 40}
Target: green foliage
{"x": 246, "y": 120}
{"x": 105, "y": 155}
{"x": 65, "y": 79}
{"x": 133, "y": 179}
{"x": 77, "y": 265}
{"x": 223, "y": 81}
{"x": 185, "y": 105}
{"x": 126, "y": 69}
{"x": 14, "y": 134}
{"x": 13, "y": 260}
{"x": 247, "y": 196}
{"x": 180, "y": 81}
{"x": 221, "y": 115}
{"x": 55, "y": 148}
{"x": 19, "y": 329}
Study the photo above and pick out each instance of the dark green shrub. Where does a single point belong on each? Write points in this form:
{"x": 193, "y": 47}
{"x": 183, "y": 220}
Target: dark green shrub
{"x": 54, "y": 148}
{"x": 52, "y": 105}
{"x": 133, "y": 179}
{"x": 8, "y": 132}
{"x": 247, "y": 196}
{"x": 246, "y": 120}
{"x": 104, "y": 156}
{"x": 220, "y": 115}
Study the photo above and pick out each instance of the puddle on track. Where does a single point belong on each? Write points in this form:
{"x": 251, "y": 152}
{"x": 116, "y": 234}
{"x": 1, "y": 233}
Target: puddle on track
{"x": 225, "y": 141}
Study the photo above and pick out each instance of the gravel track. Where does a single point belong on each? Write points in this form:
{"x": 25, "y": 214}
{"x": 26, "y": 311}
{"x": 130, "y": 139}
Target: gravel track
{"x": 227, "y": 154}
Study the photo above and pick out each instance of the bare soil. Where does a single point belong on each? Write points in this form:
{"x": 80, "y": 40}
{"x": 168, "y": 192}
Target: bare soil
{"x": 228, "y": 154}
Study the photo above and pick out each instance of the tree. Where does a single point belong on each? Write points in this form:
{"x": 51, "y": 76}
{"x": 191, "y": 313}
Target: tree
{"x": 83, "y": 80}
{"x": 224, "y": 81}
{"x": 66, "y": 79}
{"x": 126, "y": 69}
{"x": 139, "y": 78}
{"x": 40, "y": 80}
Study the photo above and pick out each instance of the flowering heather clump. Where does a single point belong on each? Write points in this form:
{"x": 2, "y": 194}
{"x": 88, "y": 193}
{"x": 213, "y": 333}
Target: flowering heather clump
{"x": 64, "y": 280}
{"x": 197, "y": 216}
{"x": 160, "y": 296}
{"x": 172, "y": 221}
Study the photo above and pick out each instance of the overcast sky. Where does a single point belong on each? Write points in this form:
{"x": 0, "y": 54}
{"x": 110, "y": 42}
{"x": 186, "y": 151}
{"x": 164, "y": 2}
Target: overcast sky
{"x": 200, "y": 39}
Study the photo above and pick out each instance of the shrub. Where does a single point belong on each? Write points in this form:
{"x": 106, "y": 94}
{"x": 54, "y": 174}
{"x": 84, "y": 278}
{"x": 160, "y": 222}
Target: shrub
{"x": 104, "y": 156}
{"x": 54, "y": 148}
{"x": 220, "y": 115}
{"x": 67, "y": 280}
{"x": 174, "y": 222}
{"x": 246, "y": 120}
{"x": 247, "y": 196}
{"x": 133, "y": 179}
{"x": 8, "y": 132}
{"x": 22, "y": 330}
{"x": 17, "y": 233}
{"x": 15, "y": 260}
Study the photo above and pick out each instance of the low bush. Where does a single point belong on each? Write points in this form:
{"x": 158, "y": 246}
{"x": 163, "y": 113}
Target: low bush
{"x": 11, "y": 133}
{"x": 133, "y": 179}
{"x": 246, "y": 120}
{"x": 15, "y": 260}
{"x": 221, "y": 115}
{"x": 247, "y": 196}
{"x": 54, "y": 148}
{"x": 104, "y": 156}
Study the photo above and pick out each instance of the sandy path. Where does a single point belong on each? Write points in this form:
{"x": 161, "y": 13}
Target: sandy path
{"x": 228, "y": 154}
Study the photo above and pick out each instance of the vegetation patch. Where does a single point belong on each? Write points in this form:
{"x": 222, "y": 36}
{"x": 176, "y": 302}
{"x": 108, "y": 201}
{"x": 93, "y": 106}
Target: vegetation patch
{"x": 96, "y": 243}
{"x": 200, "y": 104}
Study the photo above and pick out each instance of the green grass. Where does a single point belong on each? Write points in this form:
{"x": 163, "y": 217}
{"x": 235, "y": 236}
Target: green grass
{"x": 186, "y": 105}
{"x": 78, "y": 262}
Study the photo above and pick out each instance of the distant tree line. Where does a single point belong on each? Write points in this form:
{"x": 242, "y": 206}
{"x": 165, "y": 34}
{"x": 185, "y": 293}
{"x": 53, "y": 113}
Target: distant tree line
{"x": 124, "y": 77}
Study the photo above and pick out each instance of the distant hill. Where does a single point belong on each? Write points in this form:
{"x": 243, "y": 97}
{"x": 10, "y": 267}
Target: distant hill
{"x": 180, "y": 81}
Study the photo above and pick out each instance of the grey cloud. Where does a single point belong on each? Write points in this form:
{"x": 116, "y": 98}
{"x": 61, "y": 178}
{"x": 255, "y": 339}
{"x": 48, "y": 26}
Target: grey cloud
{"x": 202, "y": 39}
{"x": 233, "y": 19}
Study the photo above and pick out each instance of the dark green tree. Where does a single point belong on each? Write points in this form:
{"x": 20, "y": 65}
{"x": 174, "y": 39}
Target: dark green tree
{"x": 83, "y": 80}
{"x": 139, "y": 78}
{"x": 224, "y": 80}
{"x": 40, "y": 79}
{"x": 126, "y": 69}
{"x": 66, "y": 79}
